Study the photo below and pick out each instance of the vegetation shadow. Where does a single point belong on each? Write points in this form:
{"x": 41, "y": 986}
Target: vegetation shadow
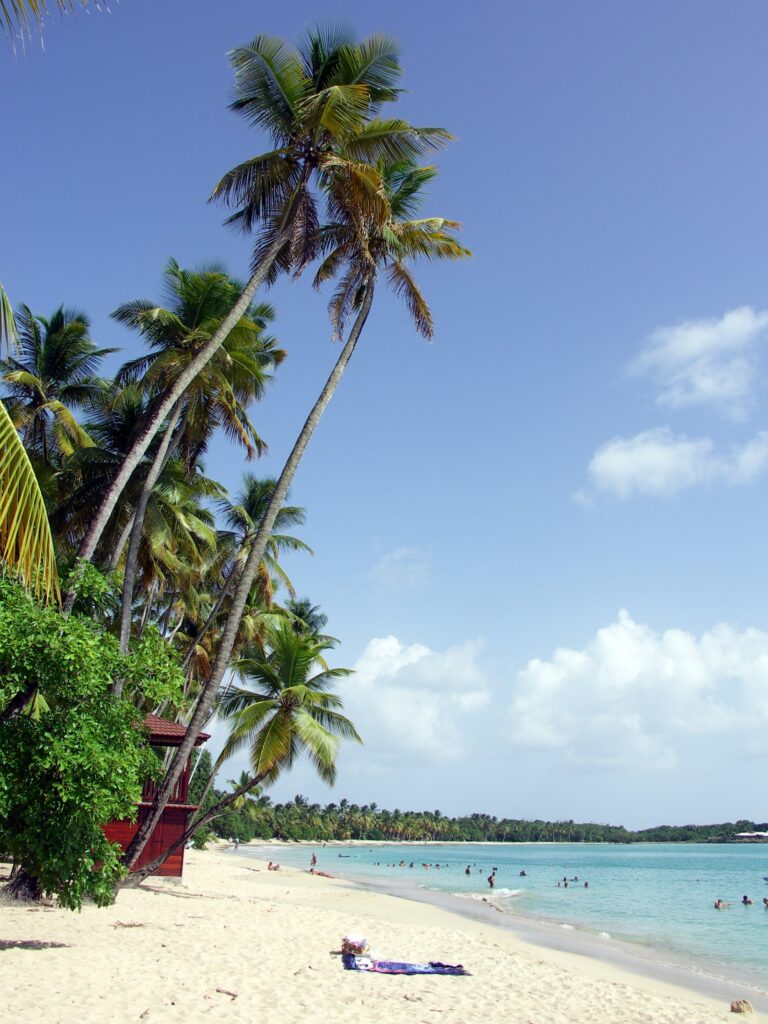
{"x": 31, "y": 944}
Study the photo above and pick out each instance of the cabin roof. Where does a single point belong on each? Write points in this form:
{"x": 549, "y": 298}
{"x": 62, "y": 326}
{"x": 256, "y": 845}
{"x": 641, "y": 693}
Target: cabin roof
{"x": 164, "y": 733}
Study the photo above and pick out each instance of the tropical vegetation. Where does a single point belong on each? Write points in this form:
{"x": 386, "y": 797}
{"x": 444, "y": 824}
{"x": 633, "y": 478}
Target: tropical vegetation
{"x": 105, "y": 482}
{"x": 299, "y": 819}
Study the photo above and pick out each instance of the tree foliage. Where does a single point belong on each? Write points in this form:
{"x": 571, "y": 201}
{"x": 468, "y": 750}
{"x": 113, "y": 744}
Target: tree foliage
{"x": 299, "y": 819}
{"x": 71, "y": 757}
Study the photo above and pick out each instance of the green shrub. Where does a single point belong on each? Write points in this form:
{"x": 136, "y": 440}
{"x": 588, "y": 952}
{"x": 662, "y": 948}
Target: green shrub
{"x": 72, "y": 757}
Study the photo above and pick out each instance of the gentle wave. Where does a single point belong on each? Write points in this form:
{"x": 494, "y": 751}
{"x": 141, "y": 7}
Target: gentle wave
{"x": 488, "y": 894}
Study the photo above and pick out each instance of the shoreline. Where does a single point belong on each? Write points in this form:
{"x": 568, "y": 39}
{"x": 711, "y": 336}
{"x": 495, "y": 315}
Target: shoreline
{"x": 664, "y": 966}
{"x": 230, "y": 939}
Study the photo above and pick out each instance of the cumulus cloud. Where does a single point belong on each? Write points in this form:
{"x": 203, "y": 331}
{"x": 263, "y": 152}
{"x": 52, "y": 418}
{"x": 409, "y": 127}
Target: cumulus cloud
{"x": 407, "y": 699}
{"x": 701, "y": 362}
{"x": 659, "y": 462}
{"x": 633, "y": 695}
{"x": 403, "y": 569}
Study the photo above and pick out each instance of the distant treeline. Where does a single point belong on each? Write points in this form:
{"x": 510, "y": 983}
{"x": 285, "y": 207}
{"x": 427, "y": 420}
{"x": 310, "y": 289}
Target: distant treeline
{"x": 258, "y": 818}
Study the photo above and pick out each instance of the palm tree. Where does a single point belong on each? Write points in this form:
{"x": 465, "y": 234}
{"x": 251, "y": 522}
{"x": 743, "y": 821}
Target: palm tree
{"x": 318, "y": 104}
{"x": 53, "y": 373}
{"x": 358, "y": 247}
{"x": 247, "y": 802}
{"x": 286, "y": 709}
{"x": 309, "y": 618}
{"x": 242, "y": 517}
{"x": 26, "y": 544}
{"x": 237, "y": 374}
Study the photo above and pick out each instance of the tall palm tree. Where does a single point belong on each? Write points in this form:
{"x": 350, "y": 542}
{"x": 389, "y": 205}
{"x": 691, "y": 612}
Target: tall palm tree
{"x": 286, "y": 709}
{"x": 319, "y": 106}
{"x": 359, "y": 246}
{"x": 52, "y": 374}
{"x": 242, "y": 518}
{"x": 309, "y": 618}
{"x": 26, "y": 544}
{"x": 198, "y": 301}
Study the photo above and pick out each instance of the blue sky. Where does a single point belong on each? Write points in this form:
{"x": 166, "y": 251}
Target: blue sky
{"x": 584, "y": 436}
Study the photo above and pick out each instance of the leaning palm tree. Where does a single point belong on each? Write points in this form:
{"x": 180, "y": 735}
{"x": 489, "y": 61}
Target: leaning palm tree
{"x": 358, "y": 246}
{"x": 242, "y": 518}
{"x": 237, "y": 373}
{"x": 26, "y": 544}
{"x": 319, "y": 106}
{"x": 286, "y": 709}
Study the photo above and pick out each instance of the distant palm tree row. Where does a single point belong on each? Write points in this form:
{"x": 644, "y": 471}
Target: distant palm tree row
{"x": 256, "y": 817}
{"x": 120, "y": 460}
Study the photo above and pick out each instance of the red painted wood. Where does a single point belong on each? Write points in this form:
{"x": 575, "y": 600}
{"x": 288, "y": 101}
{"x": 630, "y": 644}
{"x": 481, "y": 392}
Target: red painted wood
{"x": 170, "y": 828}
{"x": 175, "y": 816}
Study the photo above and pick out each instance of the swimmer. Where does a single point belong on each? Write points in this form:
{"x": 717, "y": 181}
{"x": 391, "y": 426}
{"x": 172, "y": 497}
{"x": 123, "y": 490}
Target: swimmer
{"x": 747, "y": 902}
{"x": 491, "y": 879}
{"x": 468, "y": 870}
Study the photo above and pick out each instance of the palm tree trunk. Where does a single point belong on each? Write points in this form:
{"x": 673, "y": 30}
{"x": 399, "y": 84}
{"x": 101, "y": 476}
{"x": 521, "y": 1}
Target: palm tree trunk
{"x": 187, "y": 660}
{"x": 122, "y": 540}
{"x": 156, "y": 419}
{"x": 136, "y": 877}
{"x": 132, "y": 558}
{"x": 255, "y": 555}
{"x": 148, "y": 606}
{"x": 126, "y": 532}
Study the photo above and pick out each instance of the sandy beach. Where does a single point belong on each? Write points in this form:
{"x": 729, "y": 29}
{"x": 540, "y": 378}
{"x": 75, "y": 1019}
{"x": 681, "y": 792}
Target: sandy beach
{"x": 234, "y": 942}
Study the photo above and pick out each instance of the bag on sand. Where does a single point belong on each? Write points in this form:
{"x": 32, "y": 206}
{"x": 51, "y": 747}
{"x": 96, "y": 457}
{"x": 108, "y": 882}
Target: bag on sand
{"x": 356, "y": 944}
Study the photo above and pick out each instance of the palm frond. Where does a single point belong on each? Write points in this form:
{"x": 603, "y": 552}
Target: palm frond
{"x": 26, "y": 544}
{"x": 374, "y": 63}
{"x": 405, "y": 287}
{"x": 394, "y": 141}
{"x": 269, "y": 84}
{"x": 21, "y": 15}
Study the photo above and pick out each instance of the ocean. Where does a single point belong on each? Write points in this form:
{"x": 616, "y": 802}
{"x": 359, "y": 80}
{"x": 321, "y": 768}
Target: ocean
{"x": 655, "y": 896}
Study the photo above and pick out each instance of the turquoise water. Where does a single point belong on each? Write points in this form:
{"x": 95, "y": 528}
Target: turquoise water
{"x": 657, "y": 895}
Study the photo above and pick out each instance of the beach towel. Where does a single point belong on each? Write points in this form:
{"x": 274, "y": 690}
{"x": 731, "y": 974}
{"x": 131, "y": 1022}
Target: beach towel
{"x": 365, "y": 963}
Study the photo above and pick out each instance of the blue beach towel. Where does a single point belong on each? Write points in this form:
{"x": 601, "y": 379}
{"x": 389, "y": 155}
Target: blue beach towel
{"x": 365, "y": 963}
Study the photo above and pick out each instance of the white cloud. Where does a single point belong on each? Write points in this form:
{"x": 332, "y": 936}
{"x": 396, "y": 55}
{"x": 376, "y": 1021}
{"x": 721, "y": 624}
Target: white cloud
{"x": 633, "y": 696}
{"x": 662, "y": 463}
{"x": 701, "y": 362}
{"x": 406, "y": 699}
{"x": 403, "y": 569}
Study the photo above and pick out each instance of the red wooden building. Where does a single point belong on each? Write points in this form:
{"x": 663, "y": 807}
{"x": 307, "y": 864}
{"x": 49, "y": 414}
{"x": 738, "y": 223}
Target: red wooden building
{"x": 172, "y": 824}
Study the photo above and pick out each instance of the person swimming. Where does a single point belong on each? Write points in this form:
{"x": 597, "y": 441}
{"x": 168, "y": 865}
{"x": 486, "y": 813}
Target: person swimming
{"x": 746, "y": 901}
{"x": 468, "y": 870}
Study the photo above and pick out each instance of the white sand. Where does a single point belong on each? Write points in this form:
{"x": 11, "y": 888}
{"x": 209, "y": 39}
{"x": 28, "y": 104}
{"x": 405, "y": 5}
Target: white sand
{"x": 231, "y": 925}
